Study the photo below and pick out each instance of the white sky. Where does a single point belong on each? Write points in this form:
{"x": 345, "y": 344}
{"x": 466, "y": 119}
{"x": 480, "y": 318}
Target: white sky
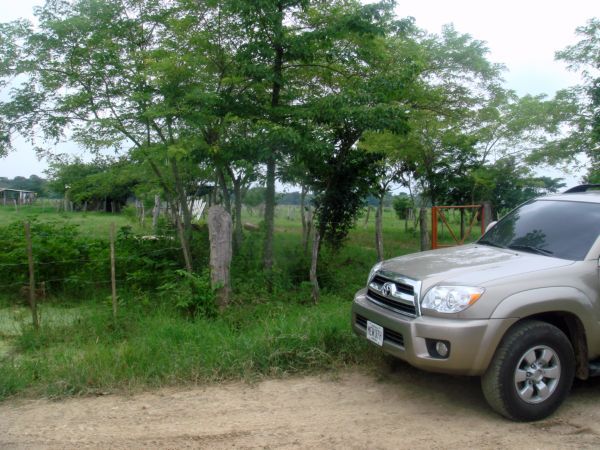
{"x": 523, "y": 35}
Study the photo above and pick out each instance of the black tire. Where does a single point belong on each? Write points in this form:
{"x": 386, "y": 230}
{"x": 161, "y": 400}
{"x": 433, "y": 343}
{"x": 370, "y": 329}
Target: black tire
{"x": 531, "y": 373}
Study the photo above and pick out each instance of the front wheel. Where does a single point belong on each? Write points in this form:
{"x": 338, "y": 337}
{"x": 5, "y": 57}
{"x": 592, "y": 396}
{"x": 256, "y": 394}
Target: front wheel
{"x": 531, "y": 373}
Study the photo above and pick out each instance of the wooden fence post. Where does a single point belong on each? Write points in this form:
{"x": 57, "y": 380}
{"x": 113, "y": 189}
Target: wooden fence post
{"x": 486, "y": 213}
{"x": 424, "y": 229}
{"x": 32, "y": 302}
{"x": 113, "y": 279}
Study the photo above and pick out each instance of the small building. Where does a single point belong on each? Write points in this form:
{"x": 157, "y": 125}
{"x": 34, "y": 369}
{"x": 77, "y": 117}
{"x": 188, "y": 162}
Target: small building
{"x": 18, "y": 196}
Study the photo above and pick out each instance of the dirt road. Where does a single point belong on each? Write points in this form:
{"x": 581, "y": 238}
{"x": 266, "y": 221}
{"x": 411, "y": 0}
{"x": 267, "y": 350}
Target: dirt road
{"x": 404, "y": 408}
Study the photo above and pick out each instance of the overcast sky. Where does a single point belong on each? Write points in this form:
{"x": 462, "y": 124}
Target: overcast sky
{"x": 523, "y": 35}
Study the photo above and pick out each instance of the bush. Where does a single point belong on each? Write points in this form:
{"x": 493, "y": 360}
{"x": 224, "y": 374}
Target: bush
{"x": 64, "y": 261}
{"x": 76, "y": 266}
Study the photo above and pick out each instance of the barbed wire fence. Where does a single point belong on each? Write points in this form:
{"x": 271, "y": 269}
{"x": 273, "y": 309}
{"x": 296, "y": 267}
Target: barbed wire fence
{"x": 33, "y": 285}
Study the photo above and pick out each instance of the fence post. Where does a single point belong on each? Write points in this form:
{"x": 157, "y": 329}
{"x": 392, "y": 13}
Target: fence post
{"x": 486, "y": 215}
{"x": 113, "y": 280}
{"x": 434, "y": 227}
{"x": 32, "y": 302}
{"x": 424, "y": 229}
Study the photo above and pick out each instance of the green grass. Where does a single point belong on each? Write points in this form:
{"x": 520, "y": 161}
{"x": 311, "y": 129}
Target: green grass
{"x": 93, "y": 224}
{"x": 80, "y": 349}
{"x": 160, "y": 348}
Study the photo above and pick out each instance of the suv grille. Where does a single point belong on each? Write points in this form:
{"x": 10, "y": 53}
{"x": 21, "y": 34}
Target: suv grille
{"x": 395, "y": 292}
{"x": 401, "y": 307}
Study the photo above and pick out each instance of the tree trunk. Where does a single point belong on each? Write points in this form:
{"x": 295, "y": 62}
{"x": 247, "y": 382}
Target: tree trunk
{"x": 269, "y": 219}
{"x": 185, "y": 212}
{"x": 187, "y": 257}
{"x": 224, "y": 190}
{"x": 368, "y": 214}
{"x": 425, "y": 244}
{"x": 155, "y": 213}
{"x": 309, "y": 227}
{"x": 219, "y": 231}
{"x": 379, "y": 229}
{"x": 276, "y": 87}
{"x": 313, "y": 266}
{"x": 303, "y": 216}
{"x": 462, "y": 224}
{"x": 238, "y": 231}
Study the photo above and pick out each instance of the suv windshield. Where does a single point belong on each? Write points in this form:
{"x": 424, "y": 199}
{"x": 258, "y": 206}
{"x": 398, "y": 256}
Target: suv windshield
{"x": 562, "y": 229}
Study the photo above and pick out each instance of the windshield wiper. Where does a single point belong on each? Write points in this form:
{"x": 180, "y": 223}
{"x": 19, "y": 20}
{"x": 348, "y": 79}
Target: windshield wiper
{"x": 490, "y": 243}
{"x": 530, "y": 248}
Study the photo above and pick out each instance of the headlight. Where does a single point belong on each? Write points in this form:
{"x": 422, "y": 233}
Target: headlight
{"x": 374, "y": 269}
{"x": 451, "y": 299}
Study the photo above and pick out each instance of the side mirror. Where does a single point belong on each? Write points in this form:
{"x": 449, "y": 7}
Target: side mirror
{"x": 490, "y": 226}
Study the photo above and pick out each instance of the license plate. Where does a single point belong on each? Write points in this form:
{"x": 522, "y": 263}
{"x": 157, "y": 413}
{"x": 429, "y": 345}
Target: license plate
{"x": 375, "y": 333}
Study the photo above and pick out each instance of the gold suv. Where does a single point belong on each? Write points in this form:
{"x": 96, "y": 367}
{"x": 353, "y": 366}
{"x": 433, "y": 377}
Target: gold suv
{"x": 520, "y": 307}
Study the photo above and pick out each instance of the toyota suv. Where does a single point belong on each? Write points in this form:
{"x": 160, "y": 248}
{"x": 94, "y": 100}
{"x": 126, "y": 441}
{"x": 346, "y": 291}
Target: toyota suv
{"x": 520, "y": 307}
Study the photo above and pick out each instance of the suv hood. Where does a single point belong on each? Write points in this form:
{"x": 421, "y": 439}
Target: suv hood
{"x": 472, "y": 265}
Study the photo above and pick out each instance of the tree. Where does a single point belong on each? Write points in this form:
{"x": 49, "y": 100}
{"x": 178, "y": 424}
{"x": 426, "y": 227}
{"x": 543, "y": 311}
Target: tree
{"x": 389, "y": 173}
{"x": 403, "y": 204}
{"x": 507, "y": 184}
{"x": 33, "y": 183}
{"x": 104, "y": 72}
{"x": 577, "y": 131}
{"x": 296, "y": 50}
{"x": 103, "y": 184}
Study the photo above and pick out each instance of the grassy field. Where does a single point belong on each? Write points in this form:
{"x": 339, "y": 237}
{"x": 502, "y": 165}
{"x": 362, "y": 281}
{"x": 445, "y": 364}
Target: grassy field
{"x": 94, "y": 224}
{"x": 81, "y": 349}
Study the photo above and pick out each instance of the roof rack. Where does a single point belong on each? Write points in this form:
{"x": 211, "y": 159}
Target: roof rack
{"x": 582, "y": 188}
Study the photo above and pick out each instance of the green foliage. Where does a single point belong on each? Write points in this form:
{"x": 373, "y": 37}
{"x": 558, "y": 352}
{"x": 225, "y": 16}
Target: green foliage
{"x": 33, "y": 183}
{"x": 402, "y": 205}
{"x": 157, "y": 347}
{"x": 98, "y": 184}
{"x": 145, "y": 263}
{"x": 254, "y": 197}
{"x": 570, "y": 125}
{"x": 73, "y": 265}
{"x": 81, "y": 349}
{"x": 191, "y": 293}
{"x": 506, "y": 184}
{"x": 64, "y": 261}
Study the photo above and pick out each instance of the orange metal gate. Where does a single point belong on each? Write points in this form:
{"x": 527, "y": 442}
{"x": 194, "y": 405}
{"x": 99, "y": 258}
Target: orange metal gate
{"x": 438, "y": 212}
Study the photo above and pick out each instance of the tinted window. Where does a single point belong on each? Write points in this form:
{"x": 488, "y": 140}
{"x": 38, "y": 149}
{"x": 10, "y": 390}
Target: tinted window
{"x": 561, "y": 229}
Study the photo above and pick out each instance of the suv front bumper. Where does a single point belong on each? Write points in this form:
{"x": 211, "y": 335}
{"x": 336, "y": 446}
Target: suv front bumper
{"x": 472, "y": 342}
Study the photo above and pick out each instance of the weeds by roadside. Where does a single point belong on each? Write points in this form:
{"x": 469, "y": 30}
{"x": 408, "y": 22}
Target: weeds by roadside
{"x": 156, "y": 348}
{"x": 80, "y": 349}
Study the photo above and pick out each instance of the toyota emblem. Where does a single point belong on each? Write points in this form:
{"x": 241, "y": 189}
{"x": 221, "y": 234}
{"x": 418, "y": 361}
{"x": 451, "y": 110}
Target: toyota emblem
{"x": 389, "y": 289}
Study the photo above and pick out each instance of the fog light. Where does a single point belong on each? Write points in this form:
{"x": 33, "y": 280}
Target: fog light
{"x": 441, "y": 348}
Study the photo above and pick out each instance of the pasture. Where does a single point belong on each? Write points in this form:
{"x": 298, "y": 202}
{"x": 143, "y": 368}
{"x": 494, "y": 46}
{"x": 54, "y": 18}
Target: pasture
{"x": 80, "y": 348}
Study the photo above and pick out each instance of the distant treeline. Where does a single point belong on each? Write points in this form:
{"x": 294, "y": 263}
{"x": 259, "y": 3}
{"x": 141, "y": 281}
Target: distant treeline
{"x": 34, "y": 183}
{"x": 293, "y": 198}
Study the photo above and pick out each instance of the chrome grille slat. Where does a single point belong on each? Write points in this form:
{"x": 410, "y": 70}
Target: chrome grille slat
{"x": 395, "y": 292}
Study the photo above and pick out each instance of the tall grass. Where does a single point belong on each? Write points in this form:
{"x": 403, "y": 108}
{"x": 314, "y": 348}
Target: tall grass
{"x": 81, "y": 349}
{"x": 158, "y": 348}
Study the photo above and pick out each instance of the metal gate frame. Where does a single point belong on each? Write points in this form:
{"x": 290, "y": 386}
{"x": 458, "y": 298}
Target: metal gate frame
{"x": 438, "y": 211}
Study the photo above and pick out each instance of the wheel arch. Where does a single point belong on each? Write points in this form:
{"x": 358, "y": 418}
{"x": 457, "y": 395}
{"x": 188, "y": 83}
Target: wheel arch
{"x": 567, "y": 308}
{"x": 573, "y": 328}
